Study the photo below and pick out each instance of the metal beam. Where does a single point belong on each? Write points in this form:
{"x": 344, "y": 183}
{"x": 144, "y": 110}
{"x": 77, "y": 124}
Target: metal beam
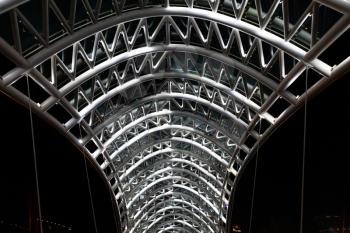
{"x": 164, "y": 127}
{"x": 164, "y": 48}
{"x": 173, "y": 185}
{"x": 167, "y": 150}
{"x": 172, "y": 221}
{"x": 170, "y": 194}
{"x": 186, "y": 211}
{"x": 171, "y": 201}
{"x": 7, "y": 5}
{"x": 170, "y": 169}
{"x": 342, "y": 6}
{"x": 84, "y": 112}
{"x": 175, "y": 11}
{"x": 140, "y": 103}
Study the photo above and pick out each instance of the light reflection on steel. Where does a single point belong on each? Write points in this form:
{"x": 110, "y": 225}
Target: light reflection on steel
{"x": 170, "y": 94}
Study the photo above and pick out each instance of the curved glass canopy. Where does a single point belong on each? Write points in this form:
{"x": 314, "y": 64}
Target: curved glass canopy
{"x": 169, "y": 98}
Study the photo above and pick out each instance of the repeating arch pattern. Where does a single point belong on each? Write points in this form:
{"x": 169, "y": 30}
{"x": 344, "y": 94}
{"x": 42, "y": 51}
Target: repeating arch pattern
{"x": 168, "y": 98}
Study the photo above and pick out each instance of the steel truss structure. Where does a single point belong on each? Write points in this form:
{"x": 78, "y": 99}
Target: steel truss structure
{"x": 169, "y": 98}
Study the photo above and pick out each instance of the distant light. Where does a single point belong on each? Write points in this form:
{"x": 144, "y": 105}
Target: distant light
{"x": 236, "y": 228}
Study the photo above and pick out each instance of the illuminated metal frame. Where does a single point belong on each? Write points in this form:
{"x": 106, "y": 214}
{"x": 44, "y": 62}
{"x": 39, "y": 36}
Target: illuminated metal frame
{"x": 168, "y": 62}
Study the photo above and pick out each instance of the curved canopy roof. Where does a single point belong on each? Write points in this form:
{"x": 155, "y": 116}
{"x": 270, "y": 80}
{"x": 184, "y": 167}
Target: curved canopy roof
{"x": 169, "y": 98}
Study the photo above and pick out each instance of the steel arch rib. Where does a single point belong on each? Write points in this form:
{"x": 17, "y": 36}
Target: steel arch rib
{"x": 200, "y": 100}
{"x": 161, "y": 151}
{"x": 146, "y": 100}
{"x": 168, "y": 96}
{"x": 175, "y": 11}
{"x": 184, "y": 210}
{"x": 184, "y": 170}
{"x": 106, "y": 152}
{"x": 172, "y": 75}
{"x": 170, "y": 125}
{"x": 172, "y": 169}
{"x": 191, "y": 196}
{"x": 145, "y": 118}
{"x": 208, "y": 167}
{"x": 173, "y": 221}
{"x": 150, "y": 156}
{"x": 163, "y": 112}
{"x": 176, "y": 140}
{"x": 163, "y": 127}
{"x": 169, "y": 193}
{"x": 177, "y": 186}
{"x": 165, "y": 48}
{"x": 179, "y": 201}
{"x": 174, "y": 228}
{"x": 208, "y": 225}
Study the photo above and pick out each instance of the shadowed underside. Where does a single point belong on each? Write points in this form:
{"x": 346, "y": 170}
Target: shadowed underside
{"x": 169, "y": 98}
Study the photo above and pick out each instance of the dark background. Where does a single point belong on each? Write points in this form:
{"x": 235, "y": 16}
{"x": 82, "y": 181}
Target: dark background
{"x": 65, "y": 199}
{"x": 278, "y": 185}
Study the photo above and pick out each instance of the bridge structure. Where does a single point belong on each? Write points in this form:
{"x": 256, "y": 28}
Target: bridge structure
{"x": 169, "y": 99}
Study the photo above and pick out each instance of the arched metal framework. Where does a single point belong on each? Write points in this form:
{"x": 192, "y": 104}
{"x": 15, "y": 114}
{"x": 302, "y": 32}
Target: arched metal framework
{"x": 171, "y": 96}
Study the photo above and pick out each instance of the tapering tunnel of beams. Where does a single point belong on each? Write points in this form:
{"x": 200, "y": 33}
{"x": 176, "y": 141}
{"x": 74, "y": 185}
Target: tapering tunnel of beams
{"x": 169, "y": 99}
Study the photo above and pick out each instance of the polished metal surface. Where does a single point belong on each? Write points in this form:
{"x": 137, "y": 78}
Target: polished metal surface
{"x": 169, "y": 98}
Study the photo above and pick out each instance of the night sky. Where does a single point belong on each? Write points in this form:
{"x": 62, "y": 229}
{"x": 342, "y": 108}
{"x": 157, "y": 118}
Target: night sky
{"x": 63, "y": 185}
{"x": 327, "y": 173}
